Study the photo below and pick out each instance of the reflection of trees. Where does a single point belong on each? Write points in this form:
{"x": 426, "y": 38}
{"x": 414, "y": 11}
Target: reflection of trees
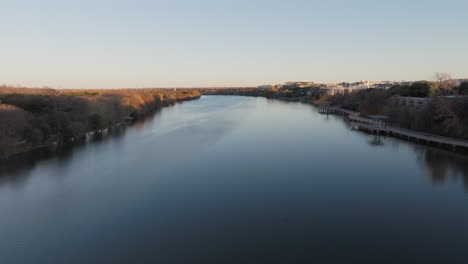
{"x": 140, "y": 124}
{"x": 440, "y": 164}
{"x": 436, "y": 165}
{"x": 16, "y": 169}
{"x": 376, "y": 141}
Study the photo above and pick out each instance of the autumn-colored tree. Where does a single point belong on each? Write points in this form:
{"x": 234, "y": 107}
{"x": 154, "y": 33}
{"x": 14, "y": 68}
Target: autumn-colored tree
{"x": 442, "y": 85}
{"x": 31, "y": 117}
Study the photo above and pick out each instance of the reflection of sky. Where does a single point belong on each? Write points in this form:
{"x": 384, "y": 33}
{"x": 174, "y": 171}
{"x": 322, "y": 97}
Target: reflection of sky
{"x": 225, "y": 173}
{"x": 184, "y": 131}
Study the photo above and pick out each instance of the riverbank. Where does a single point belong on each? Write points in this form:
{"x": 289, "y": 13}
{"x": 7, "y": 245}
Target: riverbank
{"x": 445, "y": 116}
{"x": 214, "y": 170}
{"x": 372, "y": 125}
{"x": 35, "y": 118}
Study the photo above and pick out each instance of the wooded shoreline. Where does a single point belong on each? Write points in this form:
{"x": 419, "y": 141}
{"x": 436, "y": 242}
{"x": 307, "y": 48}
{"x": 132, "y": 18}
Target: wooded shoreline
{"x": 444, "y": 113}
{"x": 33, "y": 118}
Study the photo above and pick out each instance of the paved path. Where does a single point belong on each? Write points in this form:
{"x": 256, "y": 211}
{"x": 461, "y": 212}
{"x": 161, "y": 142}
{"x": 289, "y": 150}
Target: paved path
{"x": 378, "y": 126}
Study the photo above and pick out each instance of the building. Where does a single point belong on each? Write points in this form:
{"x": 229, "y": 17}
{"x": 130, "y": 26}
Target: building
{"x": 416, "y": 102}
{"x": 382, "y": 85}
{"x": 333, "y": 90}
{"x": 458, "y": 82}
{"x": 404, "y": 83}
{"x": 300, "y": 84}
{"x": 265, "y": 87}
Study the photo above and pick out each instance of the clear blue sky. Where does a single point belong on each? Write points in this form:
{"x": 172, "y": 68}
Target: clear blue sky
{"x": 177, "y": 43}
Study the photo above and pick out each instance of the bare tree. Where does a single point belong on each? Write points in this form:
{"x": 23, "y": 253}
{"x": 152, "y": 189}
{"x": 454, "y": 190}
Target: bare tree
{"x": 442, "y": 84}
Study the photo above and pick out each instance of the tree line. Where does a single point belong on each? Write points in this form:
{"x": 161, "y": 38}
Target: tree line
{"x": 31, "y": 117}
{"x": 445, "y": 114}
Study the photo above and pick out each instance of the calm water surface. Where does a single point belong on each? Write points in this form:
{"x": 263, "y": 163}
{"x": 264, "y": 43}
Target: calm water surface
{"x": 237, "y": 180}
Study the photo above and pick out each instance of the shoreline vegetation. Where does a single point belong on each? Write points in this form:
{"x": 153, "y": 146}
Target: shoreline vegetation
{"x": 32, "y": 118}
{"x": 37, "y": 117}
{"x": 443, "y": 113}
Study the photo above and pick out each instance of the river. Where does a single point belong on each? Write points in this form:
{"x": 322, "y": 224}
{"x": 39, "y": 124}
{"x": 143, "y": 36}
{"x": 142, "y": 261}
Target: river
{"x": 228, "y": 179}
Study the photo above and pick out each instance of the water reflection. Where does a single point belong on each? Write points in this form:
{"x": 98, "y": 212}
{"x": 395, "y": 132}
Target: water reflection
{"x": 140, "y": 125}
{"x": 177, "y": 139}
{"x": 441, "y": 165}
{"x": 15, "y": 170}
{"x": 376, "y": 141}
{"x": 234, "y": 177}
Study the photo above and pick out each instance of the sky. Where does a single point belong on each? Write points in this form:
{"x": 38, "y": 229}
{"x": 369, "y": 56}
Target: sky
{"x": 201, "y": 43}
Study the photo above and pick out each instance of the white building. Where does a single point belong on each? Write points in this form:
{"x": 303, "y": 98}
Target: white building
{"x": 264, "y": 87}
{"x": 332, "y": 90}
{"x": 299, "y": 84}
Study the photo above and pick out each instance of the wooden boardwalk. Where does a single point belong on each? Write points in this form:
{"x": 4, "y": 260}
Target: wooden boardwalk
{"x": 380, "y": 127}
{"x": 337, "y": 110}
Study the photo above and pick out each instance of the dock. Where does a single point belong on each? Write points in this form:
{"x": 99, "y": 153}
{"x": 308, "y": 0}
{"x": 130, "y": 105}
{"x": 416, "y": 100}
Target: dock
{"x": 337, "y": 111}
{"x": 380, "y": 127}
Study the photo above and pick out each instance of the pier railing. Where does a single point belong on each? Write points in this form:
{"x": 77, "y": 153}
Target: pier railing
{"x": 378, "y": 126}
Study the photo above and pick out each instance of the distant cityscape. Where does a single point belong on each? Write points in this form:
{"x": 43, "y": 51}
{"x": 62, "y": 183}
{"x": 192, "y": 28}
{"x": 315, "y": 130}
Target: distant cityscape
{"x": 346, "y": 87}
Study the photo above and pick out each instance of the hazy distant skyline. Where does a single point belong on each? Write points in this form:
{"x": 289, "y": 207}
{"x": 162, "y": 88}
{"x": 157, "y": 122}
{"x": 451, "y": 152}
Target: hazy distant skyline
{"x": 119, "y": 44}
